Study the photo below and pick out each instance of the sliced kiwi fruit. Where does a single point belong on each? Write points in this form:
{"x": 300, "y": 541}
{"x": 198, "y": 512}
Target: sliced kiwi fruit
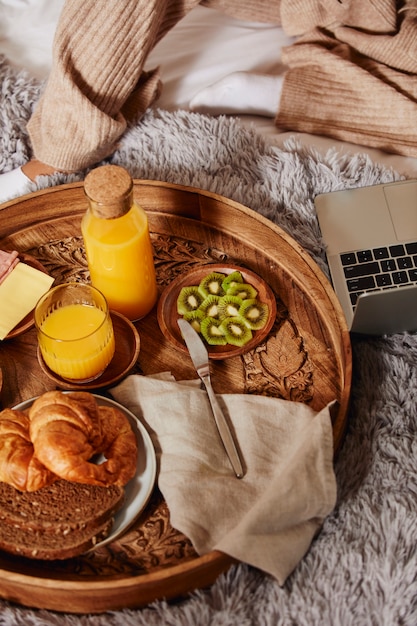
{"x": 210, "y": 306}
{"x": 244, "y": 291}
{"x": 195, "y": 318}
{"x": 212, "y": 333}
{"x": 189, "y": 299}
{"x": 211, "y": 285}
{"x": 229, "y": 306}
{"x": 254, "y": 313}
{"x": 223, "y": 308}
{"x": 236, "y": 331}
{"x": 232, "y": 279}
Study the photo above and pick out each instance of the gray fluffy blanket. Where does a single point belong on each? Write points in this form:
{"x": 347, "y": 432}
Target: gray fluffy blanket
{"x": 362, "y": 569}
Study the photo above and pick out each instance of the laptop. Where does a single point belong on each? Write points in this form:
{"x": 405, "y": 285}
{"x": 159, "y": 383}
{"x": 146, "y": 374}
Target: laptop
{"x": 371, "y": 244}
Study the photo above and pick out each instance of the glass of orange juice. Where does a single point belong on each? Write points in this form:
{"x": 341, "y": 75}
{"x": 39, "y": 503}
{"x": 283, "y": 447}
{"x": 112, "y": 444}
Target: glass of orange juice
{"x": 75, "y": 331}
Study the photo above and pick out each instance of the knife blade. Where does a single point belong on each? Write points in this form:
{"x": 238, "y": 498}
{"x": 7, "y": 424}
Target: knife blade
{"x": 199, "y": 356}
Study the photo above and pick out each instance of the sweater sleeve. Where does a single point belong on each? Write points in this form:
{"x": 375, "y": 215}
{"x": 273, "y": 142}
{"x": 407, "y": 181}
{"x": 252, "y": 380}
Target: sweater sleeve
{"x": 96, "y": 81}
{"x": 355, "y": 85}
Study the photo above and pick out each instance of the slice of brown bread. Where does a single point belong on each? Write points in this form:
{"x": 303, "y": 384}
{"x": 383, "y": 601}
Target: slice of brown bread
{"x": 50, "y": 547}
{"x": 57, "y": 521}
{"x": 59, "y": 507}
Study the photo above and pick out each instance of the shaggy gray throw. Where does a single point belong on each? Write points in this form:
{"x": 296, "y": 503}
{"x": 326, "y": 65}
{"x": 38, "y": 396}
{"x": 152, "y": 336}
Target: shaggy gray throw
{"x": 362, "y": 569}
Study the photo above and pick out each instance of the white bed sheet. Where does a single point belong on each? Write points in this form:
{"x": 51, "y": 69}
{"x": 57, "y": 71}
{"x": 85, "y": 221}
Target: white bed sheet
{"x": 202, "y": 48}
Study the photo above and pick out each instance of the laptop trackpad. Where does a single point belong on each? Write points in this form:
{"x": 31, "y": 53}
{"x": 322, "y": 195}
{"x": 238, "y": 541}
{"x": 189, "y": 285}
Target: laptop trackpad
{"x": 402, "y": 203}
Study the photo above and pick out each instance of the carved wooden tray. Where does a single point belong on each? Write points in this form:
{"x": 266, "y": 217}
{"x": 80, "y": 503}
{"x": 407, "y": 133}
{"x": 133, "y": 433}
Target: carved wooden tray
{"x": 306, "y": 358}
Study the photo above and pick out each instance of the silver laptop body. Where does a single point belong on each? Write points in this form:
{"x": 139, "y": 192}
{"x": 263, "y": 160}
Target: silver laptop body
{"x": 371, "y": 244}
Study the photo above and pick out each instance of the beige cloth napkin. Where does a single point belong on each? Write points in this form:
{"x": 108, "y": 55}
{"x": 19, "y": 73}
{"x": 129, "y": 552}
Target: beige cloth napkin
{"x": 266, "y": 519}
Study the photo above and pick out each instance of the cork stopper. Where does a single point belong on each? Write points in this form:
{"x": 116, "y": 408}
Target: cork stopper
{"x": 109, "y": 189}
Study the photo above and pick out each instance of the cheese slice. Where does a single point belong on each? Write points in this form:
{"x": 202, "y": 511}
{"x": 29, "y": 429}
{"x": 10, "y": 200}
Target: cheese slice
{"x": 19, "y": 293}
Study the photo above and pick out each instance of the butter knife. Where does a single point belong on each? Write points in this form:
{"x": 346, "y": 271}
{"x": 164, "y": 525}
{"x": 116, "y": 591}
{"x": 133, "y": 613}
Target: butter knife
{"x": 199, "y": 356}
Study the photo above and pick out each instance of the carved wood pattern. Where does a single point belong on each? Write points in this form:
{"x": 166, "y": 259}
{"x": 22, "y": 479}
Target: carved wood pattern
{"x": 280, "y": 367}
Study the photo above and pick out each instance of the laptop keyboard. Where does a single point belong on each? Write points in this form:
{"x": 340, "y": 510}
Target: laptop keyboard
{"x": 379, "y": 268}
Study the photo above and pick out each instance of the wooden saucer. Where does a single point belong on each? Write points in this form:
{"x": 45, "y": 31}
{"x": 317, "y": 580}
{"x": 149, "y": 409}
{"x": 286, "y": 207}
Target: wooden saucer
{"x": 125, "y": 356}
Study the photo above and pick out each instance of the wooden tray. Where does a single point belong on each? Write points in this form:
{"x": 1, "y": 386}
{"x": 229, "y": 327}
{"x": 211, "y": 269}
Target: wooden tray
{"x": 306, "y": 357}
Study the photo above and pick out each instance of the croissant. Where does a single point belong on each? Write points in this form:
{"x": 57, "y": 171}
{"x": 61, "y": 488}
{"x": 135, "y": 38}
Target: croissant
{"x": 19, "y": 466}
{"x": 69, "y": 430}
{"x": 118, "y": 445}
{"x": 79, "y": 409}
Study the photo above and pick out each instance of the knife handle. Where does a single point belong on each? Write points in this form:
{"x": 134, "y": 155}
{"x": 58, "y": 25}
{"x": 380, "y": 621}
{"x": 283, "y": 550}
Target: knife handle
{"x": 223, "y": 428}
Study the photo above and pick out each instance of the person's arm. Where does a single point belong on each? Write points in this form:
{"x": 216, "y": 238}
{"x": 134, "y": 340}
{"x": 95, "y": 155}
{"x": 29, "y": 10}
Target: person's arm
{"x": 96, "y": 79}
{"x": 355, "y": 86}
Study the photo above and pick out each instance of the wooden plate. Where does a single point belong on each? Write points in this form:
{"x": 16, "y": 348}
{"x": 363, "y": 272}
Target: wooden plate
{"x": 168, "y": 316}
{"x": 126, "y": 353}
{"x": 306, "y": 358}
{"x": 28, "y": 321}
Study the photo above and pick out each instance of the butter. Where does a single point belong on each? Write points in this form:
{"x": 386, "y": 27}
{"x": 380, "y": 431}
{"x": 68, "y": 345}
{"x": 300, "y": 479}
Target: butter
{"x": 19, "y": 293}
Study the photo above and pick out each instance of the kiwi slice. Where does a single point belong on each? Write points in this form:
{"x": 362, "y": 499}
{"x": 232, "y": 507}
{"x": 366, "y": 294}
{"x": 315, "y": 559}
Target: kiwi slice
{"x": 212, "y": 333}
{"x": 244, "y": 291}
{"x": 189, "y": 299}
{"x": 211, "y": 285}
{"x": 232, "y": 279}
{"x": 236, "y": 331}
{"x": 254, "y": 313}
{"x": 195, "y": 318}
{"x": 210, "y": 306}
{"x": 229, "y": 306}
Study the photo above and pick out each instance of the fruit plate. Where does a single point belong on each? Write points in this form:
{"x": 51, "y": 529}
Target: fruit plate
{"x": 168, "y": 315}
{"x": 139, "y": 489}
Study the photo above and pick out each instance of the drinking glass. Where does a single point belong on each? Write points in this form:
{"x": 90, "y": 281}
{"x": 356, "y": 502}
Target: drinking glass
{"x": 75, "y": 331}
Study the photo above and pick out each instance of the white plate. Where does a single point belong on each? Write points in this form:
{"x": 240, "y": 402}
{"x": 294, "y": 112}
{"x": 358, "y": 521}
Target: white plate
{"x": 138, "y": 490}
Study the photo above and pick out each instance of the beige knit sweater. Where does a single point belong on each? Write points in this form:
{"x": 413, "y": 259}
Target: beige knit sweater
{"x": 352, "y": 72}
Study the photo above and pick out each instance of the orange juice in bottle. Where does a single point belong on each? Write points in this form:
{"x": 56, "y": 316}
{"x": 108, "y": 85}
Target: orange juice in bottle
{"x": 117, "y": 243}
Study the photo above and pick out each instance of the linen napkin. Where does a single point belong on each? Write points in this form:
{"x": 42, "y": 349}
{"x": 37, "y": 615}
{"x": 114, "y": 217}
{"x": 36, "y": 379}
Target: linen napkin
{"x": 269, "y": 517}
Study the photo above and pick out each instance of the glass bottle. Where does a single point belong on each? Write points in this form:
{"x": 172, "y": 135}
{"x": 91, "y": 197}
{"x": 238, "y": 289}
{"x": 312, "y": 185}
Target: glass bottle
{"x": 117, "y": 243}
